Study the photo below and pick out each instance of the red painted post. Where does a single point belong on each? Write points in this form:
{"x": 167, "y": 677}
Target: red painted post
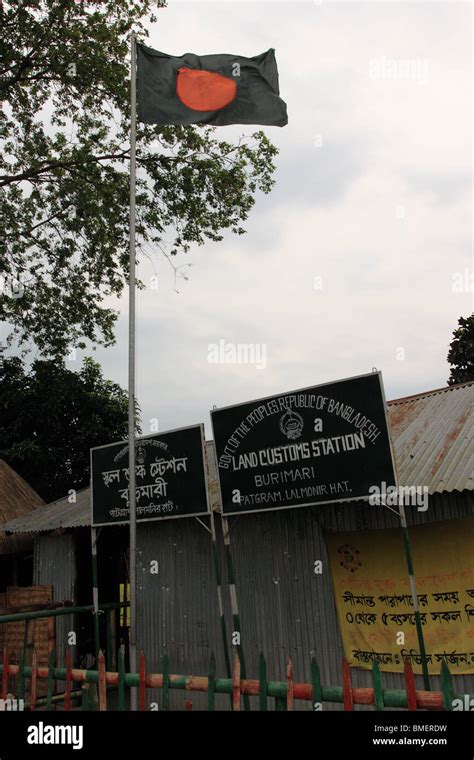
{"x": 188, "y": 705}
{"x": 102, "y": 683}
{"x": 347, "y": 686}
{"x": 34, "y": 676}
{"x": 290, "y": 688}
{"x": 236, "y": 684}
{"x": 410, "y": 685}
{"x": 5, "y": 673}
{"x": 67, "y": 694}
{"x": 142, "y": 682}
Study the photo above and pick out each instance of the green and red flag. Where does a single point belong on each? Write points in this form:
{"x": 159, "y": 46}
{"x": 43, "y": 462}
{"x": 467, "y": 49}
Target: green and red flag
{"x": 217, "y": 89}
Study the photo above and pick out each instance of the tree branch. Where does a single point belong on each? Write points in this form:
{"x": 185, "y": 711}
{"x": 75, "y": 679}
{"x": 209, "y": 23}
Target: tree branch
{"x": 45, "y": 221}
{"x": 6, "y": 179}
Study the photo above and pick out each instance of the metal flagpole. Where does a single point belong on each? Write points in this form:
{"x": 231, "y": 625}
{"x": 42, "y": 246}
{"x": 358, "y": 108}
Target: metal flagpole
{"x": 131, "y": 377}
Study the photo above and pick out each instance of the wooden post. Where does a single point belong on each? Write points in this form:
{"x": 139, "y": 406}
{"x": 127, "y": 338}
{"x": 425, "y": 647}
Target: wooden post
{"x": 263, "y": 688}
{"x": 142, "y": 682}
{"x": 236, "y": 685}
{"x": 5, "y": 672}
{"x": 316, "y": 684}
{"x": 377, "y": 686}
{"x": 21, "y": 675}
{"x": 34, "y": 676}
{"x": 121, "y": 679}
{"x": 67, "y": 695}
{"x": 102, "y": 684}
{"x": 51, "y": 665}
{"x": 347, "y": 686}
{"x": 290, "y": 700}
{"x": 112, "y": 659}
{"x": 166, "y": 683}
{"x": 410, "y": 685}
{"x": 446, "y": 687}
{"x": 211, "y": 688}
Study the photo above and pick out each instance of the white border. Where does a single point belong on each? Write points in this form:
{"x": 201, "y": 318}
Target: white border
{"x": 126, "y": 522}
{"x": 288, "y": 393}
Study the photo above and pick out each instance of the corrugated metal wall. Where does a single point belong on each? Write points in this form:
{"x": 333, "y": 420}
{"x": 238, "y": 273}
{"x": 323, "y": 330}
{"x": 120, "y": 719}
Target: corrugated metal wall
{"x": 54, "y": 563}
{"x": 177, "y": 607}
{"x": 285, "y": 607}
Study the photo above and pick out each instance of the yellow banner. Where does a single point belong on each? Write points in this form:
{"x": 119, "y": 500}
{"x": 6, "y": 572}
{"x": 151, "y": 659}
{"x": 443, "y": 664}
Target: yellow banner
{"x": 373, "y": 600}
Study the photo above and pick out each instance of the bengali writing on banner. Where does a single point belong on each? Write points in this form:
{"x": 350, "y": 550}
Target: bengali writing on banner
{"x": 373, "y": 600}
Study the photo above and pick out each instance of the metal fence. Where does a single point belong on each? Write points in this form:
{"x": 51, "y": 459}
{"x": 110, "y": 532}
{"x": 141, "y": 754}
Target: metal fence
{"x": 97, "y": 687}
{"x": 106, "y": 689}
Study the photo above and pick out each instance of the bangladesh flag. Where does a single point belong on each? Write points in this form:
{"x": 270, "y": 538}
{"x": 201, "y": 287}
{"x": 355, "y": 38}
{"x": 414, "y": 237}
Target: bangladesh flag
{"x": 210, "y": 89}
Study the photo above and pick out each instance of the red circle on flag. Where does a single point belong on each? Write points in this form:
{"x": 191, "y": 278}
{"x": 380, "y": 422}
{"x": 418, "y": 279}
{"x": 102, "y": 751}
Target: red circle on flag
{"x": 204, "y": 90}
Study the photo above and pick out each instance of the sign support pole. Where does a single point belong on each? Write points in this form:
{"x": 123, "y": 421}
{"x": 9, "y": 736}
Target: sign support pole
{"x": 95, "y": 592}
{"x": 215, "y": 556}
{"x": 131, "y": 376}
{"x": 408, "y": 555}
{"x": 234, "y": 604}
{"x": 416, "y": 607}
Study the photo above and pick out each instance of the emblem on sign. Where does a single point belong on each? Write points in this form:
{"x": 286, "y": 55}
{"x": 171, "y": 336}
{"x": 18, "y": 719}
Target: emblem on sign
{"x": 291, "y": 424}
{"x": 141, "y": 454}
{"x": 350, "y": 557}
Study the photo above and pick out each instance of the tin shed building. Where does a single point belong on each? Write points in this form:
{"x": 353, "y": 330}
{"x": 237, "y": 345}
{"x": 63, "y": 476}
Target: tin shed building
{"x": 285, "y": 608}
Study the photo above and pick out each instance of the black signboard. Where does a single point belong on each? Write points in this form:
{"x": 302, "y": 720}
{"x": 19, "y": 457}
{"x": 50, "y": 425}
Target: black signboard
{"x": 313, "y": 446}
{"x": 170, "y": 478}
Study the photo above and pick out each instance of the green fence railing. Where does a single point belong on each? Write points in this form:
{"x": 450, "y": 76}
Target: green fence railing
{"x": 96, "y": 686}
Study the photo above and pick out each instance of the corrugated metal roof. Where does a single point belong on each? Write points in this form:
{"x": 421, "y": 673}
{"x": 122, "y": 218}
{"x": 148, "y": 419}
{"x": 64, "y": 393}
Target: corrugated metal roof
{"x": 17, "y": 499}
{"x": 58, "y": 514}
{"x": 62, "y": 514}
{"x": 432, "y": 436}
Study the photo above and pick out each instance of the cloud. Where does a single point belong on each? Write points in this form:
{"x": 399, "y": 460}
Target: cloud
{"x": 349, "y": 263}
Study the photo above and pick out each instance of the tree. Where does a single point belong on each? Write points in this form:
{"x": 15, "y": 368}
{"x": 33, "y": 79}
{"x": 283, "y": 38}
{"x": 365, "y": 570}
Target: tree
{"x": 51, "y": 417}
{"x": 461, "y": 352}
{"x": 64, "y": 171}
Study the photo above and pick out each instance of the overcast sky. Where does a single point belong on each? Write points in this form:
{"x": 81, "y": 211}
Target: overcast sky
{"x": 361, "y": 256}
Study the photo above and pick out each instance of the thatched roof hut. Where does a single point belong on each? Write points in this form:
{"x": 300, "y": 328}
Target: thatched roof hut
{"x": 17, "y": 499}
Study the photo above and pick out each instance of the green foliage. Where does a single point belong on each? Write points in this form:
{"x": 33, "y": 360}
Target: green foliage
{"x": 64, "y": 170}
{"x": 51, "y": 417}
{"x": 461, "y": 352}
